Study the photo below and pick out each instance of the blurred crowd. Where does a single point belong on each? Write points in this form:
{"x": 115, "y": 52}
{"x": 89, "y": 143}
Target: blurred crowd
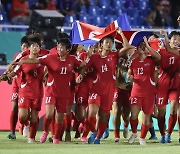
{"x": 152, "y": 13}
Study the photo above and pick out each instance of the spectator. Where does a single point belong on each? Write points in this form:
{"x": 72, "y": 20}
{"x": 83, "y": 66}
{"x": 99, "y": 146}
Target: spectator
{"x": 6, "y": 4}
{"x": 178, "y": 20}
{"x": 160, "y": 17}
{"x": 175, "y": 12}
{"x": 68, "y": 7}
{"x": 20, "y": 11}
{"x": 44, "y": 5}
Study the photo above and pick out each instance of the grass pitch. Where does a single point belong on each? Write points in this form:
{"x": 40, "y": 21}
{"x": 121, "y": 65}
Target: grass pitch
{"x": 107, "y": 146}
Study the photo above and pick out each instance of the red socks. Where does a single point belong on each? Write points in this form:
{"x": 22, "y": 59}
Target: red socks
{"x": 13, "y": 121}
{"x": 101, "y": 129}
{"x": 92, "y": 123}
{"x": 134, "y": 124}
{"x": 33, "y": 129}
{"x": 171, "y": 123}
{"x": 144, "y": 130}
{"x": 46, "y": 124}
{"x": 116, "y": 133}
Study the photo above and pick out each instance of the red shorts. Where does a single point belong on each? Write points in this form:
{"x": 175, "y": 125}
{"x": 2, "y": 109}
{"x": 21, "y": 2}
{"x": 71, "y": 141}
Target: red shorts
{"x": 60, "y": 104}
{"x": 146, "y": 103}
{"x": 122, "y": 96}
{"x": 71, "y": 97}
{"x": 173, "y": 94}
{"x": 33, "y": 104}
{"x": 162, "y": 98}
{"x": 82, "y": 95}
{"x": 103, "y": 101}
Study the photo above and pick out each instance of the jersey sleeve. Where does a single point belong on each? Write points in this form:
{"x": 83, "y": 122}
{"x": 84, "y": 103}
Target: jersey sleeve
{"x": 89, "y": 61}
{"x": 77, "y": 62}
{"x": 21, "y": 54}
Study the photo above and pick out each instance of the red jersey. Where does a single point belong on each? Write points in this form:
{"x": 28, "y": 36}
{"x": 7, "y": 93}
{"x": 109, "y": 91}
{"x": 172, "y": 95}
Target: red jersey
{"x": 105, "y": 68}
{"x": 42, "y": 52}
{"x": 143, "y": 72}
{"x": 31, "y": 80}
{"x": 168, "y": 62}
{"x": 59, "y": 74}
{"x": 18, "y": 4}
{"x": 16, "y": 80}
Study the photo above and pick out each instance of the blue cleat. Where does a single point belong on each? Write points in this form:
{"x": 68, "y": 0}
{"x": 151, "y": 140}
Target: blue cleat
{"x": 105, "y": 134}
{"x": 11, "y": 136}
{"x": 92, "y": 138}
{"x": 168, "y": 138}
{"x": 153, "y": 138}
{"x": 97, "y": 141}
{"x": 162, "y": 140}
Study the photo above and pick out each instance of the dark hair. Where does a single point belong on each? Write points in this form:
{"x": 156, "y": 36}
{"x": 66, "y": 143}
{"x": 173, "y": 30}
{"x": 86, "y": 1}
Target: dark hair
{"x": 153, "y": 34}
{"x": 173, "y": 33}
{"x": 65, "y": 42}
{"x": 62, "y": 35}
{"x": 34, "y": 39}
{"x": 107, "y": 37}
{"x": 24, "y": 39}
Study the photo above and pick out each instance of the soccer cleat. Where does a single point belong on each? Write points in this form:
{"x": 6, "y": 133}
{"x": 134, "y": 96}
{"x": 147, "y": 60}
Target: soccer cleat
{"x": 51, "y": 139}
{"x": 153, "y": 137}
{"x": 162, "y": 140}
{"x": 31, "y": 140}
{"x": 125, "y": 132}
{"x": 142, "y": 141}
{"x": 117, "y": 140}
{"x": 97, "y": 141}
{"x": 132, "y": 138}
{"x": 105, "y": 134}
{"x": 25, "y": 131}
{"x": 56, "y": 141}
{"x": 77, "y": 134}
{"x": 168, "y": 138}
{"x": 11, "y": 136}
{"x": 92, "y": 137}
{"x": 68, "y": 137}
{"x": 84, "y": 139}
{"x": 43, "y": 137}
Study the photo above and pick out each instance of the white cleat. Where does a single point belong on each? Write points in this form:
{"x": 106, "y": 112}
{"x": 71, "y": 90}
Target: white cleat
{"x": 31, "y": 140}
{"x": 132, "y": 138}
{"x": 142, "y": 141}
{"x": 126, "y": 132}
{"x": 117, "y": 140}
{"x": 25, "y": 131}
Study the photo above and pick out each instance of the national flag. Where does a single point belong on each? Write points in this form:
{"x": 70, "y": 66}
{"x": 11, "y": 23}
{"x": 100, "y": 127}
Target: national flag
{"x": 83, "y": 33}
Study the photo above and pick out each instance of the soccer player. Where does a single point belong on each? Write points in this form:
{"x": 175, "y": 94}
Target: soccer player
{"x": 57, "y": 91}
{"x": 141, "y": 72}
{"x": 14, "y": 98}
{"x": 82, "y": 95}
{"x": 171, "y": 65}
{"x": 29, "y": 101}
{"x": 101, "y": 94}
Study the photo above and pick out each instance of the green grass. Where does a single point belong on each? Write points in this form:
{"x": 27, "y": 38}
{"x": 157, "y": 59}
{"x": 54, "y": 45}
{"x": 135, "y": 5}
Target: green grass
{"x": 20, "y": 146}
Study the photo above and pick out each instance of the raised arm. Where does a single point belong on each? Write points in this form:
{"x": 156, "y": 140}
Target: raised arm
{"x": 155, "y": 54}
{"x": 167, "y": 46}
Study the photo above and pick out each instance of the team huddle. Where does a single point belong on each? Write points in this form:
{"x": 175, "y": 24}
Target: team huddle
{"x": 130, "y": 79}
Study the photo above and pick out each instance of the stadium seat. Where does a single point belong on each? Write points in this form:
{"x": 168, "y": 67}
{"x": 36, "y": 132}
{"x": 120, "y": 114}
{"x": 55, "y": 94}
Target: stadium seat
{"x": 85, "y": 18}
{"x": 105, "y": 11}
{"x": 116, "y": 4}
{"x": 93, "y": 2}
{"x": 118, "y": 12}
{"x": 142, "y": 4}
{"x": 83, "y": 9}
{"x": 93, "y": 11}
{"x": 104, "y": 3}
{"x": 109, "y": 19}
{"x": 99, "y": 21}
{"x": 69, "y": 20}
